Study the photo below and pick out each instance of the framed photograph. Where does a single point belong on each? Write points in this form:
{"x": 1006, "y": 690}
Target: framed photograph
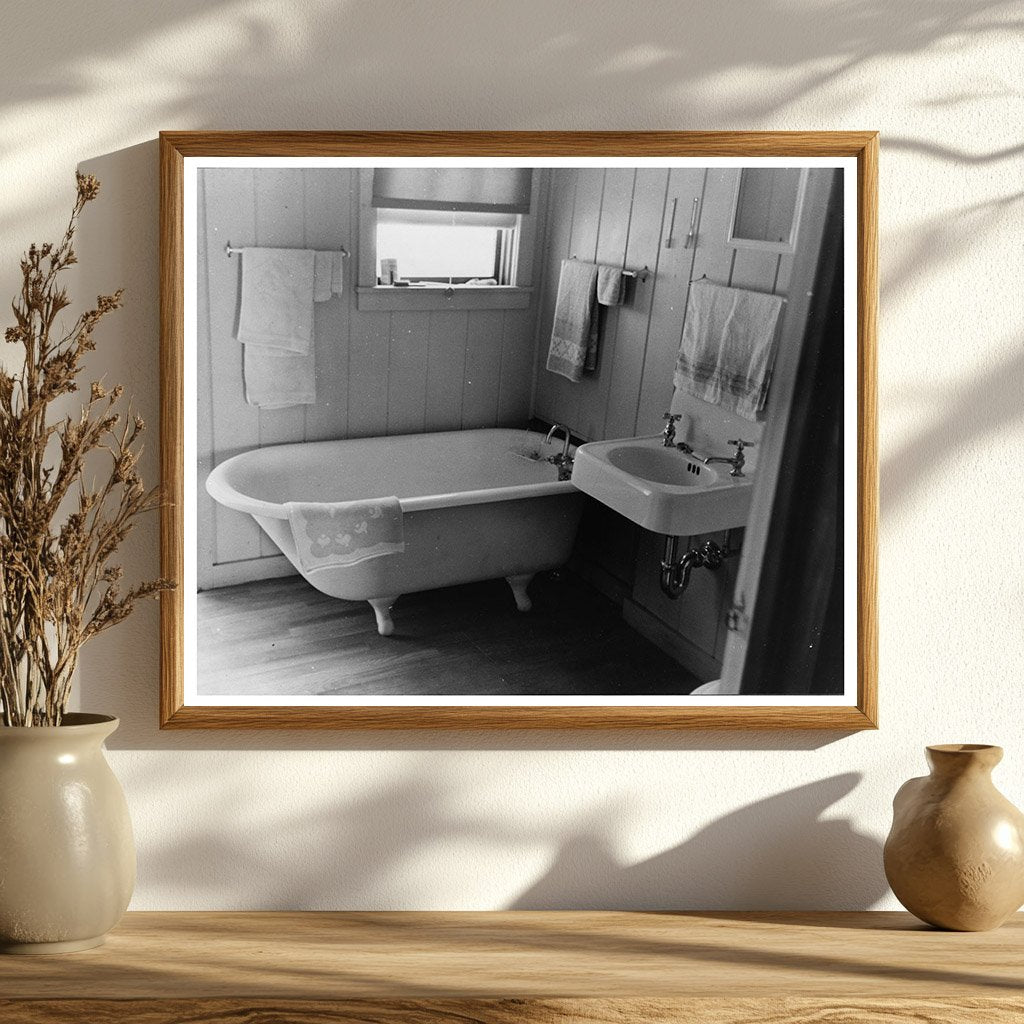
{"x": 519, "y": 429}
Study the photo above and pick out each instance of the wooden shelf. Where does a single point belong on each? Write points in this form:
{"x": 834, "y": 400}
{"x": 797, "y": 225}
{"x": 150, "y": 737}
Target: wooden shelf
{"x": 500, "y": 968}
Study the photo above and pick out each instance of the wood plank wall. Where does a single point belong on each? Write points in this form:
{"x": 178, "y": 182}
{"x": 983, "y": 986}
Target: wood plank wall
{"x": 634, "y": 218}
{"x": 377, "y": 372}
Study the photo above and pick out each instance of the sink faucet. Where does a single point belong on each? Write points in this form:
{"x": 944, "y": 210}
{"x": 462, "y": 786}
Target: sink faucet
{"x": 563, "y": 461}
{"x": 736, "y": 461}
{"x": 668, "y": 435}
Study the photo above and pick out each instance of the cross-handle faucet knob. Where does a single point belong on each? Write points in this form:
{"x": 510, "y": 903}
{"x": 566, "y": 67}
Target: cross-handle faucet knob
{"x": 741, "y": 444}
{"x": 669, "y": 433}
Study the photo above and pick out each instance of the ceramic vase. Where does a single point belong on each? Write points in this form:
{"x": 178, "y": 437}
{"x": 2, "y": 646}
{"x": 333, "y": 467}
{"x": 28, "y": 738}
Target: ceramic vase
{"x": 67, "y": 855}
{"x": 955, "y": 854}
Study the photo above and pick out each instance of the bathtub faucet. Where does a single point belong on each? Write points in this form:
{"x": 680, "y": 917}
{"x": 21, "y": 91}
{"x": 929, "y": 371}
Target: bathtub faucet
{"x": 563, "y": 461}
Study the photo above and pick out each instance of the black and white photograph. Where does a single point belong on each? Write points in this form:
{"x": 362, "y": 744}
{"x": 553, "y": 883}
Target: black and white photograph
{"x": 566, "y": 432}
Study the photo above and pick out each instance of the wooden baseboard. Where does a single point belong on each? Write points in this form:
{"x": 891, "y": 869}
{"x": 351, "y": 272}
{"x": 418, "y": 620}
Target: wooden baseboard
{"x": 230, "y": 574}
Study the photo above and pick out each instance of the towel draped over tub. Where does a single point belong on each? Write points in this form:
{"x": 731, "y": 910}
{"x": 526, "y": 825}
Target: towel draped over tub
{"x": 329, "y": 534}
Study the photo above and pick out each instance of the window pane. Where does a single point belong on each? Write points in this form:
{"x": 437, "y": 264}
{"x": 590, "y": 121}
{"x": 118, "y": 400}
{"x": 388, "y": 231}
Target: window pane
{"x": 425, "y": 250}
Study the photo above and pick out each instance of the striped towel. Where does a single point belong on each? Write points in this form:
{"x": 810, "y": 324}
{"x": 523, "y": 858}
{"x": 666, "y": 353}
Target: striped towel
{"x": 727, "y": 349}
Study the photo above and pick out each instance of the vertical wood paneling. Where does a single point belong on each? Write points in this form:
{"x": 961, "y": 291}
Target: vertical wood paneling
{"x": 754, "y": 269}
{"x": 516, "y": 368}
{"x": 446, "y": 368}
{"x": 368, "y": 375}
{"x": 375, "y": 373}
{"x": 407, "y": 373}
{"x": 559, "y": 235}
{"x": 612, "y": 238}
{"x": 280, "y": 223}
{"x": 634, "y": 317}
{"x": 586, "y": 224}
{"x": 229, "y": 215}
{"x": 633, "y": 385}
{"x": 328, "y": 198}
{"x": 668, "y": 303}
{"x": 483, "y": 369}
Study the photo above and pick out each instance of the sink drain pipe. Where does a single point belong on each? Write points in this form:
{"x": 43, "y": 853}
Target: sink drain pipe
{"x": 675, "y": 571}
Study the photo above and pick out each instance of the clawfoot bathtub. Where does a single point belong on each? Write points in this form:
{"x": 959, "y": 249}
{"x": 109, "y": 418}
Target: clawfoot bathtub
{"x": 473, "y": 508}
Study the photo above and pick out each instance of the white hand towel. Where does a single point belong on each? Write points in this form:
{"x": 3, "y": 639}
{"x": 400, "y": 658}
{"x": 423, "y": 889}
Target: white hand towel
{"x": 276, "y": 378}
{"x": 277, "y": 298}
{"x": 337, "y": 273}
{"x": 728, "y": 346}
{"x": 609, "y": 286}
{"x": 323, "y": 273}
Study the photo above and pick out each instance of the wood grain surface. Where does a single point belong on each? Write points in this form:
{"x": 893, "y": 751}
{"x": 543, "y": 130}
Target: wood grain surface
{"x": 524, "y": 966}
{"x": 176, "y": 146}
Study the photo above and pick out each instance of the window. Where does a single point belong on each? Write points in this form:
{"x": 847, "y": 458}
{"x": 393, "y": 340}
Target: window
{"x": 448, "y": 237}
{"x": 439, "y": 247}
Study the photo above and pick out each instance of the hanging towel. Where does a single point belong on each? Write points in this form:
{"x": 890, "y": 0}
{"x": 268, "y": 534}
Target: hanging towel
{"x": 574, "y": 332}
{"x": 727, "y": 347}
{"x": 337, "y": 273}
{"x": 277, "y": 298}
{"x": 609, "y": 286}
{"x": 345, "y": 532}
{"x": 323, "y": 274}
{"x": 276, "y": 379}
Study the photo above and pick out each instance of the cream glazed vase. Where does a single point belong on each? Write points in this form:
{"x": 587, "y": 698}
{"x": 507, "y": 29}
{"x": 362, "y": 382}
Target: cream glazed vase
{"x": 67, "y": 855}
{"x": 955, "y": 855}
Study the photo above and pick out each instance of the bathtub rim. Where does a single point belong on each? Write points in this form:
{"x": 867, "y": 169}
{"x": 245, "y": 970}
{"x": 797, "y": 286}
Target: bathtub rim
{"x": 226, "y": 494}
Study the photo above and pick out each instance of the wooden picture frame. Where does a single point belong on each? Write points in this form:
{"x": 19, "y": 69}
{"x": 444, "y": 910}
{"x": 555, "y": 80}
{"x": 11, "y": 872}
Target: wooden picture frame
{"x": 853, "y": 154}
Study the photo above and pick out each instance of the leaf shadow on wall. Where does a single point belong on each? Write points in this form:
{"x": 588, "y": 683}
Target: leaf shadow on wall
{"x": 777, "y": 853}
{"x": 406, "y": 842}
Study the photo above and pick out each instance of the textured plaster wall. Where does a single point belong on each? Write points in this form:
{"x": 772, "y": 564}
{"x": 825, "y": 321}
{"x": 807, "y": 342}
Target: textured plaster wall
{"x": 627, "y": 820}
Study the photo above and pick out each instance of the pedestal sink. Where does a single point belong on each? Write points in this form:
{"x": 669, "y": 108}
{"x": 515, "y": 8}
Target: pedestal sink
{"x": 662, "y": 489}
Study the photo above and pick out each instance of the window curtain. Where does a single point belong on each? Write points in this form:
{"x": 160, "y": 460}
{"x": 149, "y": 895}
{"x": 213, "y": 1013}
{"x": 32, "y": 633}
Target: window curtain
{"x": 490, "y": 190}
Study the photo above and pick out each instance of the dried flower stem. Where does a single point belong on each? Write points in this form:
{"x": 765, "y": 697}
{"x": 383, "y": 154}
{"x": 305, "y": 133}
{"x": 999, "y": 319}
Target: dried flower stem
{"x": 58, "y": 588}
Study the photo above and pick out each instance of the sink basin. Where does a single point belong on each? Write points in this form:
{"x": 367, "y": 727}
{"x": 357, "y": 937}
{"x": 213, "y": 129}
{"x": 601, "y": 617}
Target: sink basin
{"x": 661, "y": 489}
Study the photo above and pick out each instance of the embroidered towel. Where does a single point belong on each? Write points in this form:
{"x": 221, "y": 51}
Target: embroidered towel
{"x": 727, "y": 347}
{"x": 574, "y": 331}
{"x": 277, "y": 298}
{"x": 345, "y": 532}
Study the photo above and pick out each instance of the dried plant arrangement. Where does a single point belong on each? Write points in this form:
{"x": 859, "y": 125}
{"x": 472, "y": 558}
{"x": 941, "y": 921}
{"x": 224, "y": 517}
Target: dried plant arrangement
{"x": 58, "y": 530}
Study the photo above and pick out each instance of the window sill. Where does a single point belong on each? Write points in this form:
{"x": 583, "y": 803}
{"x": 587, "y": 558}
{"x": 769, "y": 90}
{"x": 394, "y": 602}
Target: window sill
{"x": 385, "y": 297}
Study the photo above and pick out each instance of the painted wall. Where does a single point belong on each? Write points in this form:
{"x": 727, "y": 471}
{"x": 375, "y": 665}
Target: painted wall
{"x": 377, "y": 373}
{"x": 566, "y": 819}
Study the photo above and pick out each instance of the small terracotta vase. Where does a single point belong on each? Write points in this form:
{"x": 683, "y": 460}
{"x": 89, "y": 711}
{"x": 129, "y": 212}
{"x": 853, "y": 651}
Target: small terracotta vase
{"x": 67, "y": 855}
{"x": 955, "y": 854}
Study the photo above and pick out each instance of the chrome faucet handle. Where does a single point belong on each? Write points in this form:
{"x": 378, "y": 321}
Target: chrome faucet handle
{"x": 741, "y": 444}
{"x": 669, "y": 433}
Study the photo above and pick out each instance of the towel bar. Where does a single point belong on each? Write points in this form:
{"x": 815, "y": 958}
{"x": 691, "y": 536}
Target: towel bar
{"x": 642, "y": 275}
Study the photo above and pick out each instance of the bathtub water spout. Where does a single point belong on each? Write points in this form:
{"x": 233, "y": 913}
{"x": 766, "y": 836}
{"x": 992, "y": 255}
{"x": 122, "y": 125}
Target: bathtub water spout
{"x": 563, "y": 462}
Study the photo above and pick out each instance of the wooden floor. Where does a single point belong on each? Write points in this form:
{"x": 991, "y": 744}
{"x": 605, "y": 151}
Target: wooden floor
{"x": 283, "y": 637}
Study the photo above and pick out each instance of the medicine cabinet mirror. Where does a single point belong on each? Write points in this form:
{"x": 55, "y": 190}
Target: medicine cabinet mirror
{"x": 766, "y": 208}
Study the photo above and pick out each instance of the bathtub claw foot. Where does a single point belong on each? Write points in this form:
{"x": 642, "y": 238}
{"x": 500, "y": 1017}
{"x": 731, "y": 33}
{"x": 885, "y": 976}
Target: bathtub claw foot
{"x": 519, "y": 585}
{"x": 382, "y": 609}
